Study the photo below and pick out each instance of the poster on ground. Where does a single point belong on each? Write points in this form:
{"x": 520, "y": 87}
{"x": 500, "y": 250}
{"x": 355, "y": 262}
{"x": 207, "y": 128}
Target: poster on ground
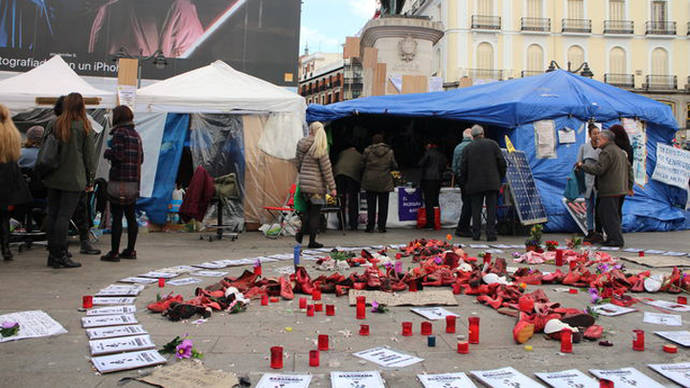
{"x": 680, "y": 373}
{"x": 108, "y": 320}
{"x": 112, "y": 310}
{"x": 672, "y": 166}
{"x": 446, "y": 380}
{"x": 32, "y": 324}
{"x": 505, "y": 378}
{"x": 578, "y": 211}
{"x": 626, "y": 378}
{"x": 121, "y": 344}
{"x": 681, "y": 337}
{"x": 112, "y": 332}
{"x": 364, "y": 379}
{"x": 126, "y": 361}
{"x": 662, "y": 319}
{"x": 388, "y": 358}
{"x": 568, "y": 379}
{"x": 273, "y": 380}
{"x": 433, "y": 313}
{"x": 611, "y": 310}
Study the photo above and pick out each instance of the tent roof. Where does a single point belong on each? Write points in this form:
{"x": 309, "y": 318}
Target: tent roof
{"x": 53, "y": 78}
{"x": 217, "y": 88}
{"x": 511, "y": 103}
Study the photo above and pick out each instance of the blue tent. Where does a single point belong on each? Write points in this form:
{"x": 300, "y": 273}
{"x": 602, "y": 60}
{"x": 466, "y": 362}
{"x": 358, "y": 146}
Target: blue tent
{"x": 568, "y": 99}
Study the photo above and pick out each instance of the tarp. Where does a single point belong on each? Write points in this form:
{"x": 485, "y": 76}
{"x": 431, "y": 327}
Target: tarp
{"x": 568, "y": 99}
{"x": 53, "y": 78}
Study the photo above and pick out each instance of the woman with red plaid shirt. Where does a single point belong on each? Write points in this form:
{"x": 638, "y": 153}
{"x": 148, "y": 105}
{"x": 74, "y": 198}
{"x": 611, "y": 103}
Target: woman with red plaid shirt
{"x": 126, "y": 155}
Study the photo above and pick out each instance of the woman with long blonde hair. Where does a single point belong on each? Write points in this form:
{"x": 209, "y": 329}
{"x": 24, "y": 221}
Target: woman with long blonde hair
{"x": 13, "y": 190}
{"x": 315, "y": 180}
{"x": 74, "y": 174}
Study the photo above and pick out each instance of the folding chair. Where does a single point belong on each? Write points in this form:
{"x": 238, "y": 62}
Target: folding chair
{"x": 282, "y": 214}
{"x": 338, "y": 209}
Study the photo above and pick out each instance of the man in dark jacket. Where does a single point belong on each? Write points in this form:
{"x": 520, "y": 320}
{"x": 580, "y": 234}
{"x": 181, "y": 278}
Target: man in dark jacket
{"x": 378, "y": 161}
{"x": 463, "y": 228}
{"x": 348, "y": 175}
{"x": 614, "y": 180}
{"x": 432, "y": 164}
{"x": 481, "y": 171}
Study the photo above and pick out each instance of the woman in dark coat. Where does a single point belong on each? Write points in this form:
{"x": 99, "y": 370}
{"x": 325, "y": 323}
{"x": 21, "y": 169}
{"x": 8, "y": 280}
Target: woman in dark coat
{"x": 126, "y": 155}
{"x": 13, "y": 190}
{"x": 378, "y": 161}
{"x": 623, "y": 142}
{"x": 433, "y": 163}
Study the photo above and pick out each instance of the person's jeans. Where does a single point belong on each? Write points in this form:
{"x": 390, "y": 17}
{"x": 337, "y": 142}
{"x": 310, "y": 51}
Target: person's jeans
{"x": 348, "y": 190}
{"x": 431, "y": 190}
{"x": 61, "y": 205}
{"x": 608, "y": 212}
{"x": 117, "y": 211}
{"x": 591, "y": 208}
{"x": 372, "y": 198}
{"x": 465, "y": 215}
{"x": 478, "y": 199}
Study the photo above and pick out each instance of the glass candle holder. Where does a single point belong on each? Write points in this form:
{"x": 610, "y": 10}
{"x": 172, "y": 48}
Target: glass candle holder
{"x": 473, "y": 330}
{"x": 426, "y": 328}
{"x": 559, "y": 257}
{"x": 638, "y": 341}
{"x": 566, "y": 341}
{"x": 450, "y": 324}
{"x": 277, "y": 357}
{"x": 87, "y": 301}
{"x": 323, "y": 342}
{"x": 310, "y": 310}
{"x": 314, "y": 358}
{"x": 364, "y": 330}
{"x": 406, "y": 329}
{"x": 330, "y": 309}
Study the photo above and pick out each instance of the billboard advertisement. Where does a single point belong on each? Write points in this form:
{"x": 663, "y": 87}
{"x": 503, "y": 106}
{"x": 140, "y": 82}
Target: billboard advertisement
{"x": 259, "y": 37}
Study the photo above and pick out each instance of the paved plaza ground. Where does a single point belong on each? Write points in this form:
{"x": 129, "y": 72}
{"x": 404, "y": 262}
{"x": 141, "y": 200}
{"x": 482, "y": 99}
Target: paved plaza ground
{"x": 240, "y": 343}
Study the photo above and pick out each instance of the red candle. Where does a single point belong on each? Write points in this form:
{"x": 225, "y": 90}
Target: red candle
{"x": 573, "y": 291}
{"x": 277, "y": 357}
{"x": 264, "y": 300}
{"x": 640, "y": 253}
{"x": 87, "y": 301}
{"x": 450, "y": 324}
{"x": 406, "y": 329}
{"x": 313, "y": 358}
{"x": 457, "y": 290}
{"x": 682, "y": 300}
{"x": 161, "y": 282}
{"x": 318, "y": 307}
{"x": 474, "y": 330}
{"x": 323, "y": 342}
{"x": 361, "y": 307}
{"x": 559, "y": 257}
{"x": 316, "y": 294}
{"x": 670, "y": 349}
{"x": 274, "y": 299}
{"x": 330, "y": 309}
{"x": 566, "y": 341}
{"x": 463, "y": 347}
{"x": 638, "y": 342}
{"x": 363, "y": 329}
{"x": 526, "y": 304}
{"x": 426, "y": 328}
{"x": 603, "y": 383}
{"x": 310, "y": 310}
{"x": 413, "y": 286}
{"x": 302, "y": 303}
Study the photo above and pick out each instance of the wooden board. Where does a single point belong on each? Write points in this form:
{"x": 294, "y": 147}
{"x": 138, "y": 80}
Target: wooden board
{"x": 657, "y": 261}
{"x": 370, "y": 57}
{"x": 421, "y": 298}
{"x": 127, "y": 71}
{"x": 351, "y": 49}
{"x": 379, "y": 82}
{"x": 414, "y": 84}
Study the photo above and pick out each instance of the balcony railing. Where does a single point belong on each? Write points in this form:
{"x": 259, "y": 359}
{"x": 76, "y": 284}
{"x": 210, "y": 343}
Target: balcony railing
{"x": 535, "y": 24}
{"x": 527, "y": 73}
{"x": 661, "y": 82}
{"x": 486, "y": 74}
{"x": 577, "y": 25}
{"x": 481, "y": 22}
{"x": 619, "y": 27}
{"x": 661, "y": 28}
{"x": 625, "y": 81}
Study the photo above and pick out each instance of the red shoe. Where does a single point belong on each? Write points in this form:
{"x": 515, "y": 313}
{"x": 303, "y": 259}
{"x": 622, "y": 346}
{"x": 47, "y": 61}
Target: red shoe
{"x": 523, "y": 331}
{"x": 286, "y": 288}
{"x": 571, "y": 278}
{"x": 255, "y": 292}
{"x": 341, "y": 290}
{"x": 554, "y": 277}
{"x": 210, "y": 294}
{"x": 164, "y": 304}
{"x": 487, "y": 300}
{"x": 593, "y": 332}
{"x": 373, "y": 278}
{"x": 242, "y": 283}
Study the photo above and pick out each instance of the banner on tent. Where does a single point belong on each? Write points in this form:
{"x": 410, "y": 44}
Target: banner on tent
{"x": 545, "y": 139}
{"x": 672, "y": 166}
{"x": 638, "y": 140}
{"x": 409, "y": 201}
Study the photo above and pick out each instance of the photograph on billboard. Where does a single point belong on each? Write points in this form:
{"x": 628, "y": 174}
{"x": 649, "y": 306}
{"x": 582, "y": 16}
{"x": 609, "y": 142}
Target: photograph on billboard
{"x": 260, "y": 37}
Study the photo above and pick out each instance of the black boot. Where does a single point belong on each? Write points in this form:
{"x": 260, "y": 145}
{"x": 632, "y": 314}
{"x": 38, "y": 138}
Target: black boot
{"x": 312, "y": 242}
{"x": 5, "y": 242}
{"x": 88, "y": 249}
{"x": 53, "y": 257}
{"x": 299, "y": 237}
{"x": 62, "y": 261}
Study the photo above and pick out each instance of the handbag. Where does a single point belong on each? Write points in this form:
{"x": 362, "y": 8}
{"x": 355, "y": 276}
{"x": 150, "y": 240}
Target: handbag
{"x": 48, "y": 157}
{"x": 123, "y": 193}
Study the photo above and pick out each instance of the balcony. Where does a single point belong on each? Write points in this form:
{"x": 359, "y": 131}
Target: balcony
{"x": 661, "y": 82}
{"x": 528, "y": 73}
{"x": 581, "y": 26}
{"x": 485, "y": 74}
{"x": 619, "y": 27}
{"x": 661, "y": 28}
{"x": 535, "y": 24}
{"x": 624, "y": 81}
{"x": 480, "y": 22}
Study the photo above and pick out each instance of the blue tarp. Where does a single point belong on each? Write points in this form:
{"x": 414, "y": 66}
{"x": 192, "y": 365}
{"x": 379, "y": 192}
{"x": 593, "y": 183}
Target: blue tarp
{"x": 568, "y": 99}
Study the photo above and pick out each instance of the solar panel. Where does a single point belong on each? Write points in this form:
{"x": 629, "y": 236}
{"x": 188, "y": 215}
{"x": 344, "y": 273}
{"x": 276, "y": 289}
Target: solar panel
{"x": 524, "y": 192}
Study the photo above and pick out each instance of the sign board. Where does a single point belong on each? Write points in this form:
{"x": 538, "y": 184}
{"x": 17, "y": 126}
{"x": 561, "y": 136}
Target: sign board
{"x": 568, "y": 379}
{"x": 273, "y": 380}
{"x": 505, "y": 378}
{"x": 112, "y": 310}
{"x": 119, "y": 345}
{"x": 126, "y": 361}
{"x": 672, "y": 166}
{"x": 578, "y": 211}
{"x": 680, "y": 373}
{"x": 108, "y": 320}
{"x": 446, "y": 380}
{"x": 409, "y": 201}
{"x": 638, "y": 141}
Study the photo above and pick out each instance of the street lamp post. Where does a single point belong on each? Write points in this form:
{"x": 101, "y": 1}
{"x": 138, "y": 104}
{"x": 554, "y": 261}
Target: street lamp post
{"x": 586, "y": 71}
{"x": 158, "y": 58}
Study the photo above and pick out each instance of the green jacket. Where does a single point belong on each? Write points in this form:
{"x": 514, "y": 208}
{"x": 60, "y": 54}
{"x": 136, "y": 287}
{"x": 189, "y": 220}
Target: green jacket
{"x": 77, "y": 161}
{"x": 378, "y": 161}
{"x": 613, "y": 171}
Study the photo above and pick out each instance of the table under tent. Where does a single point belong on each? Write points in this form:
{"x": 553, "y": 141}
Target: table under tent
{"x": 545, "y": 116}
{"x": 227, "y": 122}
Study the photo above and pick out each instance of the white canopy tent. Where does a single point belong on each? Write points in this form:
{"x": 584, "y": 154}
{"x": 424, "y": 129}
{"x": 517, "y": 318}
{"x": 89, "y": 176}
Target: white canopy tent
{"x": 53, "y": 78}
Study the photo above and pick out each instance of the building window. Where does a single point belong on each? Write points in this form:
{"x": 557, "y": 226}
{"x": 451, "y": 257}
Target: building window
{"x": 485, "y": 7}
{"x": 576, "y": 56}
{"x": 535, "y": 8}
{"x": 659, "y": 11}
{"x": 535, "y": 58}
{"x": 485, "y": 56}
{"x": 617, "y": 62}
{"x": 336, "y": 97}
{"x": 616, "y": 9}
{"x": 576, "y": 9}
{"x": 660, "y": 61}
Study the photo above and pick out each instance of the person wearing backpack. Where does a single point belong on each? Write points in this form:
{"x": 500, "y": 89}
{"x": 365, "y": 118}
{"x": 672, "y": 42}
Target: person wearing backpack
{"x": 72, "y": 148}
